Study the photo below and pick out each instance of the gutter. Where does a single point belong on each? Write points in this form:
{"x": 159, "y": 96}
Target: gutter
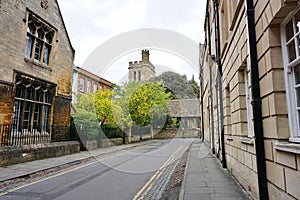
{"x": 256, "y": 104}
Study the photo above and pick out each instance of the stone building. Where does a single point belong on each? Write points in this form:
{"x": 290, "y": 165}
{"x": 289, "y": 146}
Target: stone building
{"x": 185, "y": 110}
{"x": 251, "y": 117}
{"x": 141, "y": 70}
{"x": 87, "y": 82}
{"x": 35, "y": 70}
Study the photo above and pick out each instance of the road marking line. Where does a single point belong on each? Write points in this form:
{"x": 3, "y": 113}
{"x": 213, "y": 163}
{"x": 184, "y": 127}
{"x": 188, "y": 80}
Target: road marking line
{"x": 150, "y": 183}
{"x": 44, "y": 179}
{"x": 122, "y": 151}
{"x": 55, "y": 175}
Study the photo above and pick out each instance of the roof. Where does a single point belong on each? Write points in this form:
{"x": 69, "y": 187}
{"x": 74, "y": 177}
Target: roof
{"x": 92, "y": 75}
{"x": 184, "y": 108}
{"x": 63, "y": 22}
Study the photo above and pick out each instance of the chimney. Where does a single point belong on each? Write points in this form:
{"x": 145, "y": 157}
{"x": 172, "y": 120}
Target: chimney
{"x": 145, "y": 56}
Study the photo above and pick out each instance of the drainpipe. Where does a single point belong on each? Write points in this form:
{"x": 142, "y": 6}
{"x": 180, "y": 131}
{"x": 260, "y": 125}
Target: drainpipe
{"x": 218, "y": 119}
{"x": 218, "y": 60}
{"x": 212, "y": 142}
{"x": 211, "y": 110}
{"x": 201, "y": 93}
{"x": 256, "y": 104}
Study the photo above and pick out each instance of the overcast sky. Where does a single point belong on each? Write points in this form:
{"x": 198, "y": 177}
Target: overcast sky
{"x": 92, "y": 22}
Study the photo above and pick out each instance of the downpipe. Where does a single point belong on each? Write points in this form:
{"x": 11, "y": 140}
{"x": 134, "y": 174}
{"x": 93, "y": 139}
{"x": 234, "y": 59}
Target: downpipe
{"x": 256, "y": 104}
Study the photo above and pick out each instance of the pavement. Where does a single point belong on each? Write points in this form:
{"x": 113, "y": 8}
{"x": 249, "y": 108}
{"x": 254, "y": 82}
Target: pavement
{"x": 204, "y": 178}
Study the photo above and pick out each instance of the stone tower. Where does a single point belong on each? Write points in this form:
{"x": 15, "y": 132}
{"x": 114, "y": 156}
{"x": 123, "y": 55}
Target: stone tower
{"x": 141, "y": 70}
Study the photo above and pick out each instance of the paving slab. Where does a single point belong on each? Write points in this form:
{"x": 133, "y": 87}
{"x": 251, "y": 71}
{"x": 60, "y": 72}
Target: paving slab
{"x": 205, "y": 179}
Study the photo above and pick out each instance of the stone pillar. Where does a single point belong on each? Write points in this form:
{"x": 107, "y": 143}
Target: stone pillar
{"x": 151, "y": 132}
{"x": 129, "y": 135}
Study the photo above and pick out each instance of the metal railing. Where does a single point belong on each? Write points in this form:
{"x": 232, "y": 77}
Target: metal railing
{"x": 9, "y": 135}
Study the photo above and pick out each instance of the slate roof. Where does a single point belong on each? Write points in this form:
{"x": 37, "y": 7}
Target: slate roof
{"x": 184, "y": 108}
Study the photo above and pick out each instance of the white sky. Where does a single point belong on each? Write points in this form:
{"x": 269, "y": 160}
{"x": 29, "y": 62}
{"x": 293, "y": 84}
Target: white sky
{"x": 91, "y": 22}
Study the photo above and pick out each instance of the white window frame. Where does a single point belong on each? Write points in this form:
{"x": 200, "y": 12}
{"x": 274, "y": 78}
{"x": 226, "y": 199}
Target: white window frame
{"x": 81, "y": 85}
{"x": 95, "y": 87}
{"x": 294, "y": 118}
{"x": 89, "y": 86}
{"x": 248, "y": 106}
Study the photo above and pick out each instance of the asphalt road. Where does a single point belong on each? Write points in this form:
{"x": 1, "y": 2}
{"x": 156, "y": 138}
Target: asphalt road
{"x": 137, "y": 174}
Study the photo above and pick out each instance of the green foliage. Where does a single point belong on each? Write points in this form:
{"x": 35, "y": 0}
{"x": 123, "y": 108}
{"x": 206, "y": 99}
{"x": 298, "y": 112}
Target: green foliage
{"x": 139, "y": 103}
{"x": 86, "y": 124}
{"x": 149, "y": 101}
{"x": 172, "y": 122}
{"x": 103, "y": 105}
{"x": 195, "y": 87}
{"x": 178, "y": 85}
{"x": 120, "y": 106}
{"x": 86, "y": 102}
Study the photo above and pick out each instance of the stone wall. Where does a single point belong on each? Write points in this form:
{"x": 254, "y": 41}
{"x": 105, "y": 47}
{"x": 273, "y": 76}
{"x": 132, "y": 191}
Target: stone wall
{"x": 17, "y": 154}
{"x": 110, "y": 142}
{"x": 61, "y": 119}
{"x": 13, "y": 39}
{"x": 6, "y": 103}
{"x": 282, "y": 161}
{"x": 13, "y": 26}
{"x": 178, "y": 133}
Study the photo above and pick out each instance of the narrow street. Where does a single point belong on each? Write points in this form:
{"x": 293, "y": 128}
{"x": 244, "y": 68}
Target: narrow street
{"x": 135, "y": 174}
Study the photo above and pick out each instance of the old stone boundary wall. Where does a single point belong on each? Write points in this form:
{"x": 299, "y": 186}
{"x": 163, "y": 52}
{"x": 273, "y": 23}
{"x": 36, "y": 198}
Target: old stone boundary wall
{"x": 178, "y": 133}
{"x": 10, "y": 155}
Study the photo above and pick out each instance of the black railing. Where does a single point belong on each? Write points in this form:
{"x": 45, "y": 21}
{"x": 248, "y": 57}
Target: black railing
{"x": 9, "y": 135}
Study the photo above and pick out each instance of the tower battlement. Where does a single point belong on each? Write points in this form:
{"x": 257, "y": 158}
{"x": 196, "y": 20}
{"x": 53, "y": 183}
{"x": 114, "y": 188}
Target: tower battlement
{"x": 141, "y": 70}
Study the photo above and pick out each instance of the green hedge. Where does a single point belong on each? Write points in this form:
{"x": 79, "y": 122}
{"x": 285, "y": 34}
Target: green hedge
{"x": 111, "y": 131}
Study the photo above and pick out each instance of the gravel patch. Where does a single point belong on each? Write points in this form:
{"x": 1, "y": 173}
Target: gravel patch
{"x": 172, "y": 191}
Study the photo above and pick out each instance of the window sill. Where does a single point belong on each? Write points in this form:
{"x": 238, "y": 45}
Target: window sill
{"x": 294, "y": 140}
{"x": 31, "y": 61}
{"x": 247, "y": 140}
{"x": 288, "y": 147}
